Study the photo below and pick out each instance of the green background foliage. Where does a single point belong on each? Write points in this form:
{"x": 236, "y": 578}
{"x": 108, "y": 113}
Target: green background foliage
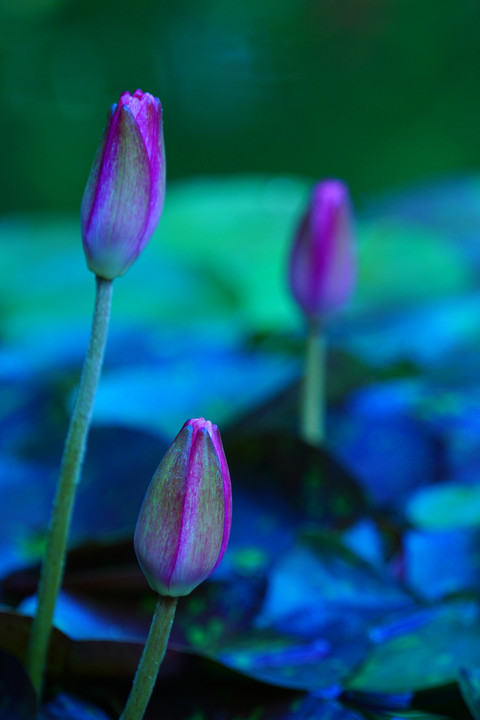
{"x": 378, "y": 92}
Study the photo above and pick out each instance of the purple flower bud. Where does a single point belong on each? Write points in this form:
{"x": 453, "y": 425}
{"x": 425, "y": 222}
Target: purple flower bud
{"x": 184, "y": 523}
{"x": 322, "y": 263}
{"x": 123, "y": 199}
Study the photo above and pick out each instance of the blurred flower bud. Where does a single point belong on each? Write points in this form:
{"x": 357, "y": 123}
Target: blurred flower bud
{"x": 184, "y": 523}
{"x": 123, "y": 199}
{"x": 323, "y": 263}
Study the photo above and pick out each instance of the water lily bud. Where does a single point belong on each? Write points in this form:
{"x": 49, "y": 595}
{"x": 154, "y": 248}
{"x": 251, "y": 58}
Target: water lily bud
{"x": 323, "y": 263}
{"x": 184, "y": 523}
{"x": 123, "y": 199}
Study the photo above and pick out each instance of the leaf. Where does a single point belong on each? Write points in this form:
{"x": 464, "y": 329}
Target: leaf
{"x": 422, "y": 650}
{"x": 319, "y": 579}
{"x": 213, "y": 692}
{"x": 312, "y": 630}
{"x": 441, "y": 562}
{"x": 107, "y": 501}
{"x": 240, "y": 230}
{"x": 214, "y": 380}
{"x": 82, "y": 619}
{"x": 228, "y": 621}
{"x": 277, "y": 469}
{"x": 378, "y": 435}
{"x": 191, "y": 333}
{"x": 310, "y": 707}
{"x": 469, "y": 682}
{"x": 67, "y": 707}
{"x": 390, "y": 276}
{"x": 26, "y": 500}
{"x": 422, "y": 334}
{"x": 316, "y": 663}
{"x": 444, "y": 507}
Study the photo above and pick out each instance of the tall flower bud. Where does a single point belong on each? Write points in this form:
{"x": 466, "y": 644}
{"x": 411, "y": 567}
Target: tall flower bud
{"x": 322, "y": 263}
{"x": 124, "y": 195}
{"x": 184, "y": 523}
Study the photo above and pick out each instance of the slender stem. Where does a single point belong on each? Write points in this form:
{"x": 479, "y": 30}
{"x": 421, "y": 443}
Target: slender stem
{"x": 73, "y": 454}
{"x": 313, "y": 391}
{"x": 152, "y": 656}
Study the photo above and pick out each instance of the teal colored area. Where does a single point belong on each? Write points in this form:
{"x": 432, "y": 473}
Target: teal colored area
{"x": 469, "y": 681}
{"x": 431, "y": 654}
{"x": 451, "y": 505}
{"x": 351, "y": 566}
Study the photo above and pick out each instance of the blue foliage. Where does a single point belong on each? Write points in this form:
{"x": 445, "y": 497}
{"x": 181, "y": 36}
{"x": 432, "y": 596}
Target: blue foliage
{"x": 344, "y": 560}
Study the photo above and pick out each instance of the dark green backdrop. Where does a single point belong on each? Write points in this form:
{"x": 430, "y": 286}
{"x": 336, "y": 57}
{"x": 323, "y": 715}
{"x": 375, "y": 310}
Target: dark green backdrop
{"x": 379, "y": 92}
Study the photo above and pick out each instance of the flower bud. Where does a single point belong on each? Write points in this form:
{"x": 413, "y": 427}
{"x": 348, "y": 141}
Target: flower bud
{"x": 184, "y": 523}
{"x": 124, "y": 195}
{"x": 322, "y": 263}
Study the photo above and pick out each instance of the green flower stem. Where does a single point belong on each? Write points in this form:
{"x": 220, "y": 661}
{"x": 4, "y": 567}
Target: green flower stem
{"x": 73, "y": 454}
{"x": 313, "y": 391}
{"x": 152, "y": 656}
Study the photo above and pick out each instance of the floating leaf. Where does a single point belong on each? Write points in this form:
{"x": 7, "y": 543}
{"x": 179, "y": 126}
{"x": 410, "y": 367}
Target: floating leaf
{"x": 439, "y": 642}
{"x": 312, "y": 708}
{"x": 26, "y": 500}
{"x": 441, "y": 562}
{"x": 319, "y": 579}
{"x": 217, "y": 380}
{"x": 107, "y": 501}
{"x": 381, "y": 440}
{"x": 432, "y": 267}
{"x": 422, "y": 334}
{"x": 316, "y": 663}
{"x": 445, "y": 506}
{"x": 276, "y": 467}
{"x": 469, "y": 681}
{"x": 67, "y": 707}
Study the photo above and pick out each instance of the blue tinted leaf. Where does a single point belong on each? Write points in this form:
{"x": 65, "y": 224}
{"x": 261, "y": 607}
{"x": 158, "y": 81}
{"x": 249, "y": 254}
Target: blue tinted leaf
{"x": 67, "y": 707}
{"x": 389, "y": 449}
{"x": 440, "y": 641}
{"x": 469, "y": 681}
{"x": 440, "y": 562}
{"x": 445, "y": 506}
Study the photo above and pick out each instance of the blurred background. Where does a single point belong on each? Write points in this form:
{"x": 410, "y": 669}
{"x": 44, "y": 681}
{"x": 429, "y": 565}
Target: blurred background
{"x": 378, "y": 92}
{"x": 261, "y": 98}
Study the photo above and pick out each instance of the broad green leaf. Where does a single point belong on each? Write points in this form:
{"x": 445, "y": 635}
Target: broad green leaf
{"x": 423, "y": 651}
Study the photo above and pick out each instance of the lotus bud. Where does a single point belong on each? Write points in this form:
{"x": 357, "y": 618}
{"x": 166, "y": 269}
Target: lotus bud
{"x": 184, "y": 523}
{"x": 124, "y": 195}
{"x": 322, "y": 263}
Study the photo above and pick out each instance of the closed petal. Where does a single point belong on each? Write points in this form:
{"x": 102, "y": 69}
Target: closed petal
{"x": 159, "y": 525}
{"x": 203, "y": 517}
{"x": 147, "y": 111}
{"x": 338, "y": 262}
{"x": 153, "y": 135}
{"x": 323, "y": 264}
{"x": 91, "y": 188}
{"x": 227, "y": 490}
{"x": 119, "y": 214}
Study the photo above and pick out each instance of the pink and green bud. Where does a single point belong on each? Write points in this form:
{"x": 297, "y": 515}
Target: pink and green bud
{"x": 124, "y": 195}
{"x": 184, "y": 523}
{"x": 323, "y": 263}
